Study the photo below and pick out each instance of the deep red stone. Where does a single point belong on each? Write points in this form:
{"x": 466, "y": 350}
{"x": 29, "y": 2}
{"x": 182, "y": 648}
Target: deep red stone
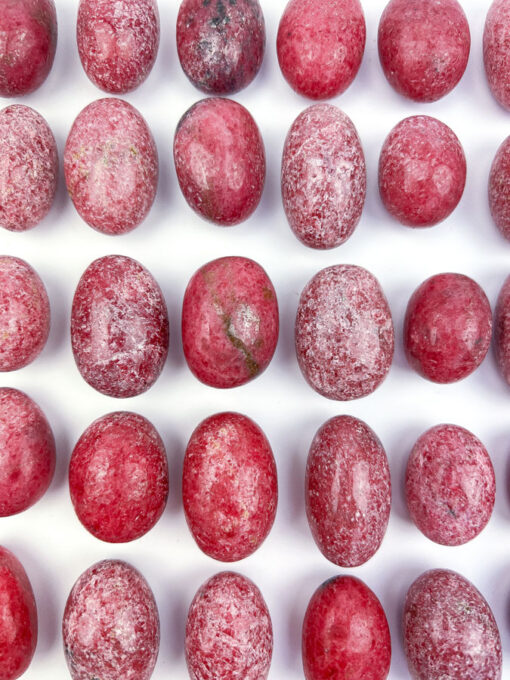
{"x": 220, "y": 161}
{"x": 345, "y": 633}
{"x": 348, "y": 491}
{"x": 424, "y": 47}
{"x": 229, "y": 486}
{"x": 422, "y": 171}
{"x": 320, "y": 45}
{"x": 448, "y": 328}
{"x": 496, "y": 51}
{"x": 499, "y": 189}
{"x": 118, "y": 477}
{"x": 230, "y": 322}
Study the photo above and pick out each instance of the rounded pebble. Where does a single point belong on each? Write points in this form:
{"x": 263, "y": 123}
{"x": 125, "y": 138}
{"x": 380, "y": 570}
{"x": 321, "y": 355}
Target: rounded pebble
{"x": 347, "y": 491}
{"x": 345, "y": 633}
{"x": 499, "y": 189}
{"x": 29, "y": 42}
{"x": 230, "y": 322}
{"x": 496, "y": 51}
{"x": 18, "y": 618}
{"x": 323, "y": 177}
{"x": 229, "y": 486}
{"x": 344, "y": 333}
{"x": 449, "y": 630}
{"x": 422, "y": 171}
{"x": 117, "y": 42}
{"x": 27, "y": 445}
{"x": 221, "y": 44}
{"x": 448, "y": 328}
{"x": 220, "y": 161}
{"x": 424, "y": 47}
{"x": 29, "y": 168}
{"x": 320, "y": 45}
{"x": 228, "y": 632}
{"x": 111, "y": 166}
{"x": 118, "y": 477}
{"x": 111, "y": 624}
{"x": 450, "y": 485}
{"x": 24, "y": 314}
{"x": 119, "y": 327}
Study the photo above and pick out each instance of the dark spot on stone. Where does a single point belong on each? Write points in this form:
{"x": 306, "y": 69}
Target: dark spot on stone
{"x": 222, "y": 17}
{"x": 252, "y": 365}
{"x": 206, "y": 3}
{"x": 268, "y": 293}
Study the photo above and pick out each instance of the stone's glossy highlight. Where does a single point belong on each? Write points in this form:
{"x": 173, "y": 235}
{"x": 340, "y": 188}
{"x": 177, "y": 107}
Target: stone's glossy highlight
{"x": 229, "y": 486}
{"x": 111, "y": 166}
{"x": 229, "y": 634}
{"x": 117, "y": 42}
{"x": 221, "y": 43}
{"x": 320, "y": 45}
{"x": 448, "y": 328}
{"x": 29, "y": 168}
{"x": 502, "y": 331}
{"x": 449, "y": 630}
{"x": 345, "y": 633}
{"x": 220, "y": 161}
{"x": 27, "y": 446}
{"x": 347, "y": 491}
{"x": 119, "y": 327}
{"x": 499, "y": 189}
{"x": 24, "y": 314}
{"x": 496, "y": 51}
{"x": 422, "y": 171}
{"x": 27, "y": 49}
{"x": 18, "y": 618}
{"x": 111, "y": 624}
{"x": 450, "y": 485}
{"x": 424, "y": 47}
{"x": 323, "y": 177}
{"x": 230, "y": 322}
{"x": 118, "y": 477}
{"x": 344, "y": 333}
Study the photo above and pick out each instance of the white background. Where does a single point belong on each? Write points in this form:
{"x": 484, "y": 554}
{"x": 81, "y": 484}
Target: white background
{"x": 173, "y": 243}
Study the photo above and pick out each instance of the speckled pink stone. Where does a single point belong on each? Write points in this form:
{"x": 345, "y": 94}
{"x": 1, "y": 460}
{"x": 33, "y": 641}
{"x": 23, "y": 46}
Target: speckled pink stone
{"x": 496, "y": 51}
{"x": 323, "y": 177}
{"x": 447, "y": 328}
{"x": 320, "y": 45}
{"x": 344, "y": 333}
{"x": 422, "y": 171}
{"x": 27, "y": 452}
{"x": 499, "y": 189}
{"x": 118, "y": 477}
{"x": 502, "y": 331}
{"x": 27, "y": 44}
{"x": 220, "y": 161}
{"x": 118, "y": 42}
{"x": 229, "y": 635}
{"x": 111, "y": 624}
{"x": 28, "y": 168}
{"x": 221, "y": 43}
{"x": 347, "y": 491}
{"x": 18, "y": 618}
{"x": 229, "y": 486}
{"x": 111, "y": 166}
{"x": 119, "y": 327}
{"x": 449, "y": 630}
{"x": 230, "y": 322}
{"x": 424, "y": 47}
{"x": 24, "y": 314}
{"x": 450, "y": 485}
{"x": 345, "y": 633}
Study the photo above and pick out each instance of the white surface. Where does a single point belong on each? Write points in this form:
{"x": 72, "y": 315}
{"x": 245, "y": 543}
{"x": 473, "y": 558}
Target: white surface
{"x": 173, "y": 243}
